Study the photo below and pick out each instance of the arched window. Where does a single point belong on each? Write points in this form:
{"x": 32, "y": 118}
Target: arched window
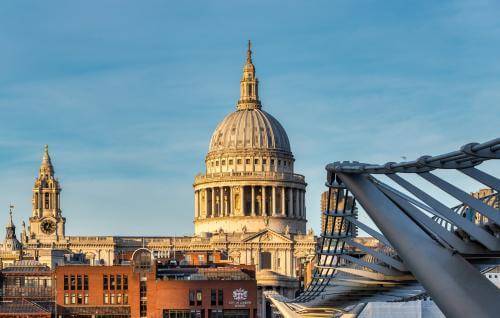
{"x": 47, "y": 200}
{"x": 142, "y": 260}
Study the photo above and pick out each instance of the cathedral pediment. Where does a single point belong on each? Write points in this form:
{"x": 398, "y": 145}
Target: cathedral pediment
{"x": 265, "y": 236}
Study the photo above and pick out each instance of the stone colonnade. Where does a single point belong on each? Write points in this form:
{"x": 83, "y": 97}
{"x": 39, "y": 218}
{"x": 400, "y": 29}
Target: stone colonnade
{"x": 252, "y": 200}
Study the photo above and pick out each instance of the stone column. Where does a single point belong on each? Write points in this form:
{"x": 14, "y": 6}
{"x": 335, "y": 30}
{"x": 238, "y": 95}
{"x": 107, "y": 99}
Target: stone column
{"x": 301, "y": 204}
{"x": 206, "y": 203}
{"x": 303, "y": 194}
{"x": 304, "y": 204}
{"x": 263, "y": 199}
{"x": 299, "y": 193}
{"x": 196, "y": 209}
{"x": 242, "y": 200}
{"x": 231, "y": 201}
{"x": 212, "y": 214}
{"x": 221, "y": 201}
{"x": 296, "y": 206}
{"x": 283, "y": 210}
{"x": 290, "y": 202}
{"x": 273, "y": 197}
{"x": 252, "y": 200}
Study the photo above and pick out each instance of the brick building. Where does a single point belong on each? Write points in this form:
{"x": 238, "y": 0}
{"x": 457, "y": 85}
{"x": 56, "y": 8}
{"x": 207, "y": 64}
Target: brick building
{"x": 147, "y": 288}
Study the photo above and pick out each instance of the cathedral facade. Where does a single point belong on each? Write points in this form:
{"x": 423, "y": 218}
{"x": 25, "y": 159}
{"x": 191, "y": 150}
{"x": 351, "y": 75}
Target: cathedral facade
{"x": 248, "y": 205}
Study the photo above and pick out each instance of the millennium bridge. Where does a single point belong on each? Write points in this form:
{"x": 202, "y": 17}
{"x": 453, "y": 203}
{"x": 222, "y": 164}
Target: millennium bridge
{"x": 426, "y": 248}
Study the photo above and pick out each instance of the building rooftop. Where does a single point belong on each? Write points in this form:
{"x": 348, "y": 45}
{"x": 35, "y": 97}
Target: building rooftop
{"x": 21, "y": 307}
{"x": 25, "y": 267}
{"x": 204, "y": 273}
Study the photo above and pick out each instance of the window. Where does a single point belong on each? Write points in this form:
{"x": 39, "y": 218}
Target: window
{"x": 79, "y": 282}
{"x": 143, "y": 289}
{"x": 247, "y": 161}
{"x": 199, "y": 298}
{"x": 85, "y": 282}
{"x": 106, "y": 298}
{"x": 272, "y": 162}
{"x": 220, "y": 297}
{"x": 264, "y": 161}
{"x": 223, "y": 162}
{"x": 119, "y": 298}
{"x": 191, "y": 298}
{"x": 180, "y": 313}
{"x": 256, "y": 161}
{"x": 143, "y": 308}
{"x": 118, "y": 282}
{"x": 265, "y": 260}
{"x": 66, "y": 282}
{"x": 278, "y": 262}
{"x": 238, "y": 161}
{"x": 218, "y": 313}
{"x": 279, "y": 162}
{"x": 284, "y": 163}
{"x": 73, "y": 282}
{"x": 105, "y": 283}
{"x": 66, "y": 298}
{"x": 80, "y": 299}
{"x": 86, "y": 299}
{"x": 125, "y": 282}
{"x": 230, "y": 161}
{"x": 112, "y": 282}
{"x": 216, "y": 163}
{"x": 73, "y": 298}
{"x": 125, "y": 299}
{"x": 213, "y": 297}
{"x": 112, "y": 299}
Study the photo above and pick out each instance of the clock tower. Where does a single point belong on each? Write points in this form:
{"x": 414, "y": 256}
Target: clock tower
{"x": 46, "y": 221}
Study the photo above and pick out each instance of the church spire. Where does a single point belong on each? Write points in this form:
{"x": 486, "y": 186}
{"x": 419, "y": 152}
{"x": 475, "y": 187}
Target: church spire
{"x": 10, "y": 228}
{"x": 46, "y": 168}
{"x": 249, "y": 52}
{"x": 249, "y": 85}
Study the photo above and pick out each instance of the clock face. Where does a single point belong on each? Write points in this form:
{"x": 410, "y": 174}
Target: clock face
{"x": 48, "y": 227}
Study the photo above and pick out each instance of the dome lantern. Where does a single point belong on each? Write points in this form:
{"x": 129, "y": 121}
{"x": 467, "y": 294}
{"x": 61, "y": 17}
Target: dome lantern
{"x": 249, "y": 85}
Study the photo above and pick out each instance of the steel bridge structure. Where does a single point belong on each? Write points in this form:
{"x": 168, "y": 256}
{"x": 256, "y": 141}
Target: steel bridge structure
{"x": 425, "y": 247}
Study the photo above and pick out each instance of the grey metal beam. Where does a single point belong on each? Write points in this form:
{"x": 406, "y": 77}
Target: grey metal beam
{"x": 450, "y": 238}
{"x": 369, "y": 231}
{"x": 482, "y": 177}
{"x": 455, "y": 285}
{"x": 476, "y": 232}
{"x": 376, "y": 267}
{"x": 379, "y": 255}
{"x": 466, "y": 198}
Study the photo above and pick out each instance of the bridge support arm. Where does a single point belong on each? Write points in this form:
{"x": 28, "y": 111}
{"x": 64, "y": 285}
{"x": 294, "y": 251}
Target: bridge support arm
{"x": 454, "y": 284}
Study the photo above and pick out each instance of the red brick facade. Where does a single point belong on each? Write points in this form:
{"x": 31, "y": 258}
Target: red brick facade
{"x": 115, "y": 291}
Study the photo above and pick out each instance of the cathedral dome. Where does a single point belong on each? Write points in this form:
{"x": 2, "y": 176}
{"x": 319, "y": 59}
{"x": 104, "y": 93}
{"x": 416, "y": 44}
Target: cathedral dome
{"x": 249, "y": 183}
{"x": 249, "y": 129}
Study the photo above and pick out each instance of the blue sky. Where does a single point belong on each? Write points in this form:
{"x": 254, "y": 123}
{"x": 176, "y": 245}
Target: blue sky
{"x": 127, "y": 94}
